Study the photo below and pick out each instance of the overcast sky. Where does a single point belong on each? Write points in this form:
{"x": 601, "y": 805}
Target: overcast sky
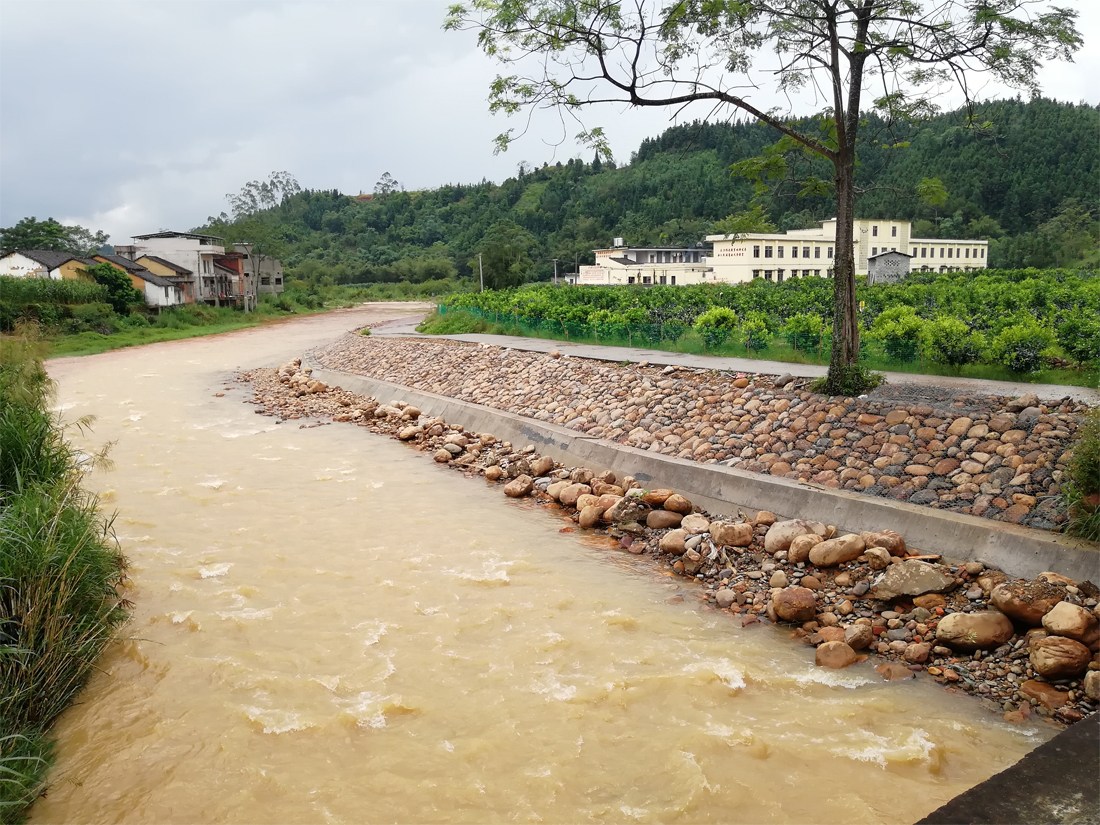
{"x": 133, "y": 117}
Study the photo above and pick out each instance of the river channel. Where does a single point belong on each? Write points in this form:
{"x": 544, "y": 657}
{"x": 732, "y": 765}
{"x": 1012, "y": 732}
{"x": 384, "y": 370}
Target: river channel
{"x": 329, "y": 628}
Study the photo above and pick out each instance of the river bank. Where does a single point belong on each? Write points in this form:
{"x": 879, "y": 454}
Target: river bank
{"x": 966, "y": 626}
{"x": 988, "y": 456}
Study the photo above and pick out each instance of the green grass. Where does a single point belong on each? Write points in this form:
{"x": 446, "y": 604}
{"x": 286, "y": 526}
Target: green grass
{"x": 91, "y": 343}
{"x": 457, "y": 321}
{"x": 60, "y": 570}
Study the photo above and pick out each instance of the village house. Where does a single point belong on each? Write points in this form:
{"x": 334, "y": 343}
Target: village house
{"x": 157, "y": 291}
{"x": 179, "y": 275}
{"x": 45, "y": 263}
{"x": 646, "y": 265}
{"x": 267, "y": 270}
{"x": 191, "y": 251}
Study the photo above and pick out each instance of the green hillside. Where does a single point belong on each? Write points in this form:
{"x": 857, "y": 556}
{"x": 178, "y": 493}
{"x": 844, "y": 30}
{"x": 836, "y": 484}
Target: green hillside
{"x": 1027, "y": 183}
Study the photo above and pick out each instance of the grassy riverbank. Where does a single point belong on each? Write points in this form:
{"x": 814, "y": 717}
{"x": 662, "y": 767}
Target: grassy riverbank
{"x": 60, "y": 570}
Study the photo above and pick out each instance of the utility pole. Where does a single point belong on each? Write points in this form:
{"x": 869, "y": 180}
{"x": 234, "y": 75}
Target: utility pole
{"x": 480, "y": 272}
{"x": 555, "y": 260}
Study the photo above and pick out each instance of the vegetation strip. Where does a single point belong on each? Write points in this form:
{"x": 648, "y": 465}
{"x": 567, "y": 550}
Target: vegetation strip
{"x": 1023, "y": 647}
{"x": 60, "y": 575}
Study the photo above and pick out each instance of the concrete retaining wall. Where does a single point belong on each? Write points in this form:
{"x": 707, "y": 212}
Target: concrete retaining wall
{"x": 1018, "y": 551}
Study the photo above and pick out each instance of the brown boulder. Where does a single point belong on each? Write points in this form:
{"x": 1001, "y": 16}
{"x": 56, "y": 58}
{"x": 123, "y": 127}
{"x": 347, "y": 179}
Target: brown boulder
{"x": 764, "y": 518}
{"x": 836, "y": 655}
{"x": 696, "y": 524}
{"x": 673, "y": 542}
{"x": 626, "y": 510}
{"x": 1026, "y": 603}
{"x": 728, "y": 534}
{"x": 917, "y": 653}
{"x": 1045, "y": 694}
{"x": 782, "y": 533}
{"x": 930, "y": 601}
{"x": 858, "y": 636}
{"x": 541, "y": 466}
{"x": 442, "y": 456}
{"x": 836, "y": 551}
{"x": 587, "y": 500}
{"x": 1073, "y": 622}
{"x": 974, "y": 631}
{"x": 554, "y": 490}
{"x": 831, "y": 634}
{"x": 519, "y": 487}
{"x": 677, "y": 504}
{"x": 795, "y": 604}
{"x": 890, "y": 671}
{"x": 801, "y": 546}
{"x": 493, "y": 473}
{"x": 662, "y": 519}
{"x": 692, "y": 562}
{"x": 656, "y": 498}
{"x": 892, "y": 541}
{"x": 589, "y": 516}
{"x": 1057, "y": 657}
{"x": 571, "y": 494}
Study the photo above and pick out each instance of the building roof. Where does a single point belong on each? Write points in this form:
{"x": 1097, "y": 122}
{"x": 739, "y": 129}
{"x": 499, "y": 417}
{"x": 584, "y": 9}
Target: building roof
{"x": 182, "y": 270}
{"x": 47, "y": 257}
{"x": 156, "y": 280}
{"x": 889, "y": 252}
{"x": 226, "y": 269}
{"x": 125, "y": 263}
{"x": 166, "y": 234}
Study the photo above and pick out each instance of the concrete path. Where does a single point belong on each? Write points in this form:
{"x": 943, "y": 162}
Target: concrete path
{"x": 406, "y": 328}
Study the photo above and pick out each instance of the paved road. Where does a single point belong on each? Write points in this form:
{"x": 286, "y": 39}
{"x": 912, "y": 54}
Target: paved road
{"x": 978, "y": 386}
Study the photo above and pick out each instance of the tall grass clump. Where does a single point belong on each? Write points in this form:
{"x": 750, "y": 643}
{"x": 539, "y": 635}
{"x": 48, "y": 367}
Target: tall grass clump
{"x": 60, "y": 571}
{"x": 1081, "y": 491}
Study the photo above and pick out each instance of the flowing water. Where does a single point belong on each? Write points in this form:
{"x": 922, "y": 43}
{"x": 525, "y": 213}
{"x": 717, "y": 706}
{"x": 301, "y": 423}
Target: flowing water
{"x": 330, "y": 628}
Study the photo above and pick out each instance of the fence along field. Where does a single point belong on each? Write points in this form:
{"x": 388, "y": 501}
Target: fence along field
{"x": 1039, "y": 324}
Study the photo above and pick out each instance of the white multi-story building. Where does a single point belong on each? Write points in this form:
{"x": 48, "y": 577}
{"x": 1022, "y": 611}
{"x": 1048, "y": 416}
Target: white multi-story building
{"x": 801, "y": 253}
{"x": 778, "y": 256}
{"x": 194, "y": 252}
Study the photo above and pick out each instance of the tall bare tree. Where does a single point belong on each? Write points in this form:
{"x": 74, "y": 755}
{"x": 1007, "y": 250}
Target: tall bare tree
{"x": 718, "y": 52}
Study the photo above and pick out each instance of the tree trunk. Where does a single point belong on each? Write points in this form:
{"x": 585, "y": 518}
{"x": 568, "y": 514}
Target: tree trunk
{"x": 843, "y": 377}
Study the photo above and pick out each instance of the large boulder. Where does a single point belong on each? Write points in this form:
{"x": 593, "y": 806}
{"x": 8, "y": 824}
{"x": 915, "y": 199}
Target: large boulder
{"x": 858, "y": 636}
{"x": 801, "y": 546}
{"x": 695, "y": 523}
{"x": 795, "y": 604}
{"x": 782, "y": 533}
{"x": 1073, "y": 622}
{"x": 677, "y": 504}
{"x": 656, "y": 498}
{"x": 626, "y": 510}
{"x": 729, "y": 534}
{"x": 519, "y": 487}
{"x": 673, "y": 542}
{"x": 590, "y": 516}
{"x": 837, "y": 551}
{"x": 1057, "y": 657}
{"x": 543, "y": 465}
{"x": 835, "y": 655}
{"x": 555, "y": 489}
{"x": 1028, "y": 602}
{"x": 662, "y": 519}
{"x": 693, "y": 560}
{"x": 974, "y": 631}
{"x": 892, "y": 541}
{"x": 911, "y": 578}
{"x": 571, "y": 494}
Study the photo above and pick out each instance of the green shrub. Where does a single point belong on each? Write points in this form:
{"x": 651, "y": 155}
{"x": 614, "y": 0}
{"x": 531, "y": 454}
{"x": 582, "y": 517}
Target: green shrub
{"x": 716, "y": 325}
{"x": 950, "y": 341}
{"x": 1078, "y": 334}
{"x": 1022, "y": 347}
{"x": 453, "y": 323}
{"x": 804, "y": 331}
{"x": 755, "y": 332}
{"x": 1081, "y": 490}
{"x": 119, "y": 287}
{"x": 899, "y": 330}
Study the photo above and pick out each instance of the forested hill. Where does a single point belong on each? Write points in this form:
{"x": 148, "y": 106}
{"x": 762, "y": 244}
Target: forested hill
{"x": 1027, "y": 183}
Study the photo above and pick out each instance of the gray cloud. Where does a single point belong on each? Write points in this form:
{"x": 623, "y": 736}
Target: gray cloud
{"x": 137, "y": 116}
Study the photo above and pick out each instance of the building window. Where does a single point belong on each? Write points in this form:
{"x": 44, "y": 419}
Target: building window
{"x": 924, "y": 251}
{"x": 662, "y": 279}
{"x": 767, "y": 274}
{"x": 767, "y": 251}
{"x": 779, "y": 275}
{"x": 756, "y": 251}
{"x": 674, "y": 280}
{"x": 794, "y": 251}
{"x": 278, "y": 281}
{"x": 756, "y": 273}
{"x": 983, "y": 251}
{"x": 646, "y": 279}
{"x": 265, "y": 280}
{"x": 817, "y": 273}
{"x": 893, "y": 231}
{"x": 874, "y": 251}
{"x": 950, "y": 252}
{"x": 805, "y": 252}
{"x": 779, "y": 251}
{"x": 874, "y": 231}
{"x": 967, "y": 252}
{"x": 630, "y": 279}
{"x": 829, "y": 252}
{"x": 805, "y": 273}
{"x": 941, "y": 252}
{"x": 893, "y": 249}
{"x": 817, "y": 252}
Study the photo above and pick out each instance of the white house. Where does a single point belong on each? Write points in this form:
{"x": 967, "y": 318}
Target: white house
{"x": 44, "y": 263}
{"x": 647, "y": 265}
{"x": 157, "y": 291}
{"x": 189, "y": 250}
{"x": 801, "y": 253}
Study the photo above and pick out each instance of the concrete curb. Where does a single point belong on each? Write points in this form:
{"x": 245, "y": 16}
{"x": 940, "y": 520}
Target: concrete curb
{"x": 1019, "y": 551}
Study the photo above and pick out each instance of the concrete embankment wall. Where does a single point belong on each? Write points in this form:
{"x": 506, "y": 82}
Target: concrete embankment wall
{"x": 1019, "y": 551}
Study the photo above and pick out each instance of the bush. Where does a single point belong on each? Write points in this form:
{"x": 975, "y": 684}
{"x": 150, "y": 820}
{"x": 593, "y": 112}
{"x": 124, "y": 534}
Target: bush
{"x": 950, "y": 341}
{"x": 1081, "y": 491}
{"x": 755, "y": 331}
{"x": 1079, "y": 335}
{"x": 1022, "y": 347}
{"x": 716, "y": 325}
{"x": 899, "y": 329}
{"x": 804, "y": 331}
{"x": 454, "y": 322}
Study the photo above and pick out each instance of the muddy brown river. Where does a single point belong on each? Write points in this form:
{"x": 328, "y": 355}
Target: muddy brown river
{"x": 329, "y": 628}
